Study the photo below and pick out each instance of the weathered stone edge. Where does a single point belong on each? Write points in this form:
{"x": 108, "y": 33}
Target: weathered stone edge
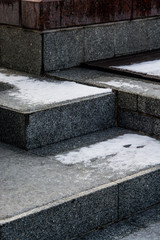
{"x": 63, "y": 218}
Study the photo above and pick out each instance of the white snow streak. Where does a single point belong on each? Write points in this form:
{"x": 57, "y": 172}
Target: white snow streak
{"x": 34, "y": 91}
{"x": 148, "y": 67}
{"x": 123, "y": 152}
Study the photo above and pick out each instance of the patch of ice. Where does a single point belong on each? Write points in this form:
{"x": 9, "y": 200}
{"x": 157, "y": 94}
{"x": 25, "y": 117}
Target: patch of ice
{"x": 34, "y": 91}
{"x": 148, "y": 67}
{"x": 122, "y": 152}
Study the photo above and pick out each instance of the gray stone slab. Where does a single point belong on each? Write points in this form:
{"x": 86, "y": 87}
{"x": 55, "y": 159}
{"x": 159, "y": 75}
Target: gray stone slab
{"x": 156, "y": 127}
{"x": 63, "y": 48}
{"x": 150, "y": 33}
{"x": 13, "y": 127}
{"x": 70, "y": 120}
{"x": 126, "y": 84}
{"x": 127, "y": 37}
{"x": 144, "y": 226}
{"x": 127, "y": 101}
{"x": 135, "y": 121}
{"x": 99, "y": 42}
{"x": 21, "y": 49}
{"x": 66, "y": 219}
{"x": 149, "y": 106}
{"x": 51, "y": 125}
{"x": 139, "y": 193}
{"x": 62, "y": 200}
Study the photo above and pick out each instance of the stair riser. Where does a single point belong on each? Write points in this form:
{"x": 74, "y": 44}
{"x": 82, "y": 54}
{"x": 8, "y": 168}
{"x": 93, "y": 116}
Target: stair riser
{"x": 88, "y": 210}
{"x": 53, "y": 125}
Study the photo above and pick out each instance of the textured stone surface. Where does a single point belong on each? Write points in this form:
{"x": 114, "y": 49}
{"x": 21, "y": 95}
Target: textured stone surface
{"x": 21, "y": 49}
{"x": 63, "y": 49}
{"x": 127, "y": 37}
{"x": 56, "y": 123}
{"x": 135, "y": 121}
{"x": 70, "y": 120}
{"x": 13, "y": 127}
{"x": 150, "y": 28}
{"x": 67, "y": 47}
{"x": 58, "y": 198}
{"x": 139, "y": 193}
{"x": 127, "y": 101}
{"x": 131, "y": 85}
{"x": 149, "y": 106}
{"x": 66, "y": 219}
{"x": 144, "y": 226}
{"x": 99, "y": 42}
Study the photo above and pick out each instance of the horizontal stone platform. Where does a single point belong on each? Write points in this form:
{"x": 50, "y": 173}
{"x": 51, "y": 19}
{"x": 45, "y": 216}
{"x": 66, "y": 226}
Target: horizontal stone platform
{"x": 41, "y": 51}
{"x": 51, "y": 14}
{"x": 64, "y": 196}
{"x": 144, "y": 65}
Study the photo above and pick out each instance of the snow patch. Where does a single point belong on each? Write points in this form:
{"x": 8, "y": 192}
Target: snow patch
{"x": 34, "y": 91}
{"x": 148, "y": 67}
{"x": 123, "y": 152}
{"x": 121, "y": 83}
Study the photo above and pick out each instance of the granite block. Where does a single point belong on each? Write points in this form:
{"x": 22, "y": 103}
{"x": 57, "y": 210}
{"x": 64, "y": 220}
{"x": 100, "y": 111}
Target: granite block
{"x": 10, "y": 12}
{"x": 99, "y": 42}
{"x": 135, "y": 121}
{"x": 127, "y": 101}
{"x": 65, "y": 219}
{"x": 156, "y": 127}
{"x": 63, "y": 121}
{"x": 136, "y": 194}
{"x": 149, "y": 106}
{"x": 12, "y": 127}
{"x": 127, "y": 37}
{"x": 63, "y": 49}
{"x": 150, "y": 34}
{"x": 21, "y": 49}
{"x": 70, "y": 120}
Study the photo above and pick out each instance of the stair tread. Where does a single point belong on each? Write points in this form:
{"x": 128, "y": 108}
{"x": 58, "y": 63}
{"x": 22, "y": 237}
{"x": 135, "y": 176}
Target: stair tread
{"x": 27, "y": 93}
{"x": 130, "y": 84}
{"x": 36, "y": 178}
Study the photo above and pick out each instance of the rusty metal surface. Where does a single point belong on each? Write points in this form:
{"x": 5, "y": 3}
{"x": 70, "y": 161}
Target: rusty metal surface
{"x": 51, "y": 14}
{"x": 109, "y": 65}
{"x": 10, "y": 12}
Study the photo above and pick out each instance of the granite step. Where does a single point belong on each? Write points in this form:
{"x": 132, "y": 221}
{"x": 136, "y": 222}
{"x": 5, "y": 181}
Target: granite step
{"x": 141, "y": 226}
{"x": 38, "y": 111}
{"x": 66, "y": 189}
{"x": 137, "y": 99}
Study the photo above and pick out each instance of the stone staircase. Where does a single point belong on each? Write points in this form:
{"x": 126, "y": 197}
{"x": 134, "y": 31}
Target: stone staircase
{"x": 81, "y": 170}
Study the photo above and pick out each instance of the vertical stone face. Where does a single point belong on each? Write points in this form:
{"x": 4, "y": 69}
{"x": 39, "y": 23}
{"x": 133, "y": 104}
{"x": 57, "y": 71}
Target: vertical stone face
{"x": 10, "y": 12}
{"x": 21, "y": 49}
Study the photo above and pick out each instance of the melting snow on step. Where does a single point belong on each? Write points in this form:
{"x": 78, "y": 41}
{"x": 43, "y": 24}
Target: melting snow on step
{"x": 34, "y": 91}
{"x": 148, "y": 67}
{"x": 122, "y": 152}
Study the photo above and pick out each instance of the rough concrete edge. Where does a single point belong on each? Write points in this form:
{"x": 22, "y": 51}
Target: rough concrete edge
{"x": 79, "y": 195}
